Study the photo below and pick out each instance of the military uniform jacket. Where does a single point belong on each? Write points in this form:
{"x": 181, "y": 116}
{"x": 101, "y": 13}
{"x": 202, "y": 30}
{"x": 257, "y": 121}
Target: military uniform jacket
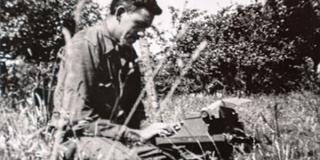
{"x": 99, "y": 80}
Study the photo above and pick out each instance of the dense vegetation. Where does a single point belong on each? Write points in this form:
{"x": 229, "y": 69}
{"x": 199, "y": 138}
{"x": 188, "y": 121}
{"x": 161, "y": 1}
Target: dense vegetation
{"x": 33, "y": 28}
{"x": 271, "y": 48}
{"x": 260, "y": 48}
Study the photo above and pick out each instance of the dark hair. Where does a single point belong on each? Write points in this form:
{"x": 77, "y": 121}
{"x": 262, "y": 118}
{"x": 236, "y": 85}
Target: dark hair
{"x": 132, "y": 5}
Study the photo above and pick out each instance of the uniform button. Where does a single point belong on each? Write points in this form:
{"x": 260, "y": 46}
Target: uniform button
{"x": 123, "y": 61}
{"x": 106, "y": 85}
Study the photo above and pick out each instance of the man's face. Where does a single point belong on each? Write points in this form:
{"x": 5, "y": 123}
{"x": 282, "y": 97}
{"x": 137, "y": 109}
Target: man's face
{"x": 132, "y": 24}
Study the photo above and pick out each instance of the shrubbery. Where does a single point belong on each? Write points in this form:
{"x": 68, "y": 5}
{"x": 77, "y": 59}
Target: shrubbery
{"x": 256, "y": 48}
{"x": 268, "y": 48}
{"x": 34, "y": 28}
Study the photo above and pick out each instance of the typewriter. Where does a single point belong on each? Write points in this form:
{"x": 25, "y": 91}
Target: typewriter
{"x": 215, "y": 131}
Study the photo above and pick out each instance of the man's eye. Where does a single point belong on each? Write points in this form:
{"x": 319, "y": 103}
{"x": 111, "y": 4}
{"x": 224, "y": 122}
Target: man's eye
{"x": 141, "y": 25}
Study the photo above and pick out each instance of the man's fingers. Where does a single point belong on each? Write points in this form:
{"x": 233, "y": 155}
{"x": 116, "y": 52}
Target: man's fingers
{"x": 164, "y": 133}
{"x": 176, "y": 127}
{"x": 162, "y": 129}
{"x": 171, "y": 129}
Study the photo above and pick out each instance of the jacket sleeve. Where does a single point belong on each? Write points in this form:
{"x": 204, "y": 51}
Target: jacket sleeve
{"x": 77, "y": 81}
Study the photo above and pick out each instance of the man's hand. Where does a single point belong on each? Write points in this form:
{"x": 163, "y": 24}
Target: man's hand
{"x": 159, "y": 129}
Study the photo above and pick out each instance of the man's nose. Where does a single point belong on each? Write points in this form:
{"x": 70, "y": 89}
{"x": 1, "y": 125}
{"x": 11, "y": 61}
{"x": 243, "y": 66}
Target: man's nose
{"x": 141, "y": 34}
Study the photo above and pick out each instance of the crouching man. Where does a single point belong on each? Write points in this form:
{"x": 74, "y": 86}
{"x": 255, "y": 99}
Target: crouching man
{"x": 99, "y": 83}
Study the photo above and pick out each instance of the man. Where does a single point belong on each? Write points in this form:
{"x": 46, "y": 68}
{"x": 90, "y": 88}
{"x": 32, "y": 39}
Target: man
{"x": 99, "y": 83}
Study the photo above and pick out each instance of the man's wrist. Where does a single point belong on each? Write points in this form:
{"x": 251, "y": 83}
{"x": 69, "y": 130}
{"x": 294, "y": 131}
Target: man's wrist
{"x": 133, "y": 136}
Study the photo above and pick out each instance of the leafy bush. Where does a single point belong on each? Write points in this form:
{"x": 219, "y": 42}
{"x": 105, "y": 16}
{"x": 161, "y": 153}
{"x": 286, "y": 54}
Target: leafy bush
{"x": 33, "y": 28}
{"x": 256, "y": 48}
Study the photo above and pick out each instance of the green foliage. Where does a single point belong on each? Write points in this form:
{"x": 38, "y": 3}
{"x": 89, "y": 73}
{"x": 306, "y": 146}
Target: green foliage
{"x": 256, "y": 48}
{"x": 33, "y": 28}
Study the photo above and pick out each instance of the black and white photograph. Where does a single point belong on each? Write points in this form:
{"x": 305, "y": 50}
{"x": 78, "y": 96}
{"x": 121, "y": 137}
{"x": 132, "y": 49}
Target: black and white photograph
{"x": 159, "y": 80}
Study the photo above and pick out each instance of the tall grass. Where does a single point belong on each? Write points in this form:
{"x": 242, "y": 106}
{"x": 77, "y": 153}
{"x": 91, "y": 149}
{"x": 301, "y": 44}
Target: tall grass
{"x": 287, "y": 125}
{"x": 297, "y": 137}
{"x": 21, "y": 131}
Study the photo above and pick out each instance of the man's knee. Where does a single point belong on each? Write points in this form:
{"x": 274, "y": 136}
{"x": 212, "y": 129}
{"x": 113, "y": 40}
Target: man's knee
{"x": 95, "y": 148}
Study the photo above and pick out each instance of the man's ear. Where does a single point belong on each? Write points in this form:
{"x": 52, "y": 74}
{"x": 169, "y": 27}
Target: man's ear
{"x": 119, "y": 11}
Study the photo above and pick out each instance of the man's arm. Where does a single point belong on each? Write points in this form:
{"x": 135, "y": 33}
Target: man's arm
{"x": 80, "y": 78}
{"x": 77, "y": 100}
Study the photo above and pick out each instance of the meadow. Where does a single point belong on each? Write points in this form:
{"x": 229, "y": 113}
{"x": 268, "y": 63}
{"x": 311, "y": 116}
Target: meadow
{"x": 287, "y": 125}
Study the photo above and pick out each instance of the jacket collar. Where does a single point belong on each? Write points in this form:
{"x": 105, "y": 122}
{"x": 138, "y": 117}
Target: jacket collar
{"x": 109, "y": 41}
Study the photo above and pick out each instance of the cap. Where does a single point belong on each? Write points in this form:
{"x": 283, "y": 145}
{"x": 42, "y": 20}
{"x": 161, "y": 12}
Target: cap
{"x": 151, "y": 5}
